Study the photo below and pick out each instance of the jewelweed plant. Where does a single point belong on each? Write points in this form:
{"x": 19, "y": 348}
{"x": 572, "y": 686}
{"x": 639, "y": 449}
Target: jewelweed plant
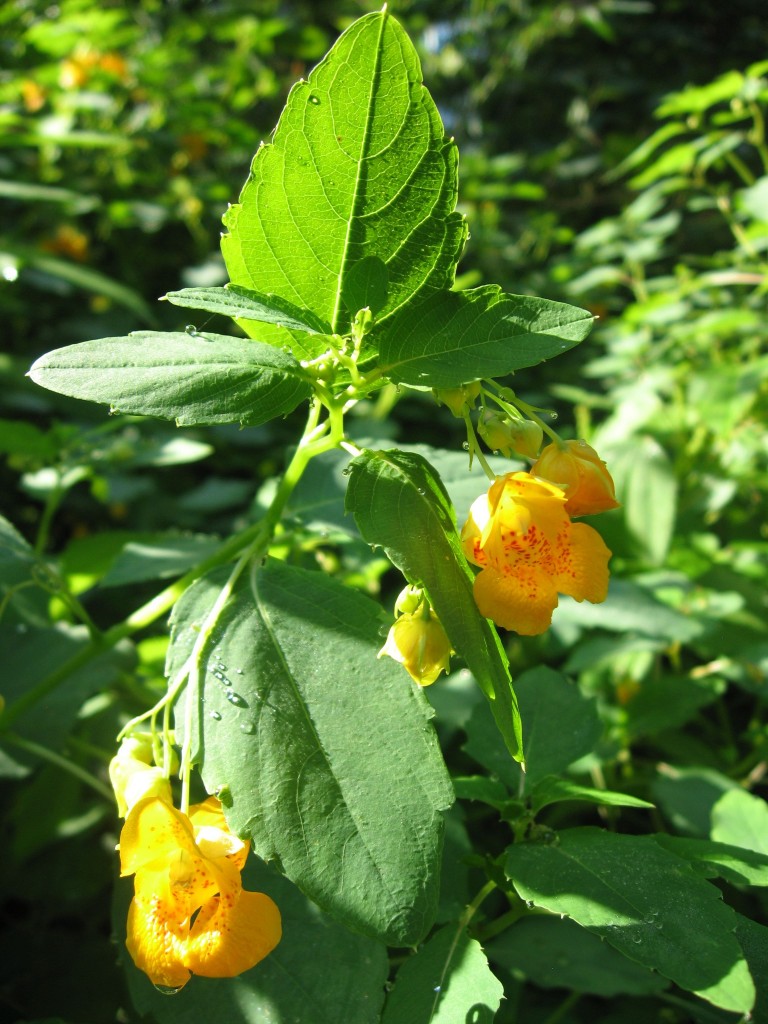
{"x": 285, "y": 703}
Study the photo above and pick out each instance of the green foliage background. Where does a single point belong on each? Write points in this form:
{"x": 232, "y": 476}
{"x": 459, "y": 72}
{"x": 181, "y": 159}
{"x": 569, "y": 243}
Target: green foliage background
{"x": 612, "y": 156}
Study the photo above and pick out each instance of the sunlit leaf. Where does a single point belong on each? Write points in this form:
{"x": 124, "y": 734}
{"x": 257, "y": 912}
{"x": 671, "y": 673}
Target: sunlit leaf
{"x": 359, "y": 168}
{"x": 192, "y": 378}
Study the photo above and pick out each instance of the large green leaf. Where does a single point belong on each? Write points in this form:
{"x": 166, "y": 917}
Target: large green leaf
{"x": 293, "y": 985}
{"x": 192, "y": 378}
{"x": 325, "y": 753}
{"x": 359, "y": 168}
{"x": 399, "y": 502}
{"x": 457, "y": 337}
{"x": 646, "y": 902}
{"x": 448, "y": 980}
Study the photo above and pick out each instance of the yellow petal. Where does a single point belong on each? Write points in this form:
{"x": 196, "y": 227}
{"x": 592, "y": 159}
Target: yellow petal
{"x": 232, "y": 933}
{"x": 152, "y": 830}
{"x": 212, "y": 833}
{"x": 523, "y": 600}
{"x": 578, "y": 469}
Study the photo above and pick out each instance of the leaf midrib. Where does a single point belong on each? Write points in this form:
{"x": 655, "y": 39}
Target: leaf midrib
{"x": 357, "y": 192}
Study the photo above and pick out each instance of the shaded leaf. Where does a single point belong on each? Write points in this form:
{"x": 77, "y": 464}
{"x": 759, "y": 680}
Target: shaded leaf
{"x": 323, "y": 754}
{"x": 646, "y": 902}
{"x": 560, "y": 724}
{"x": 556, "y": 953}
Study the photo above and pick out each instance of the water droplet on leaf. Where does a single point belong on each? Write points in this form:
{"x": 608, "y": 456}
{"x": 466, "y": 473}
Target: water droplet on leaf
{"x": 216, "y": 716}
{"x": 314, "y": 99}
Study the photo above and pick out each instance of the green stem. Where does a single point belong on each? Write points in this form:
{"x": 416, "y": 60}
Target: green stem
{"x": 314, "y": 442}
{"x": 475, "y": 451}
{"x": 49, "y": 511}
{"x": 61, "y": 762}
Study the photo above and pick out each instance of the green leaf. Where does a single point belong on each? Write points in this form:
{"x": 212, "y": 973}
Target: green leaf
{"x": 399, "y": 503}
{"x": 454, "y": 338}
{"x": 687, "y": 796}
{"x": 647, "y": 487}
{"x": 192, "y": 378}
{"x": 560, "y": 724}
{"x": 293, "y": 985}
{"x": 325, "y": 754}
{"x": 448, "y": 980}
{"x": 741, "y": 819}
{"x": 754, "y": 941}
{"x": 719, "y": 860}
{"x": 555, "y": 953}
{"x": 159, "y": 556}
{"x": 646, "y": 902}
{"x": 359, "y": 167}
{"x": 551, "y": 790}
{"x": 245, "y": 304}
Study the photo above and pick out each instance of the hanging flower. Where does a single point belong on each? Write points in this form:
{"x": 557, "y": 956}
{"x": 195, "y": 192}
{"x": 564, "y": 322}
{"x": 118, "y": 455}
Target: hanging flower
{"x": 418, "y": 641}
{"x": 528, "y": 549}
{"x": 580, "y": 472}
{"x": 190, "y": 913}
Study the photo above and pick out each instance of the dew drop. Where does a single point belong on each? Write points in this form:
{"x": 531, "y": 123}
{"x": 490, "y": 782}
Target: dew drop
{"x": 248, "y": 727}
{"x": 239, "y": 671}
{"x": 421, "y": 490}
{"x": 437, "y": 988}
{"x": 236, "y": 699}
{"x": 314, "y": 99}
{"x": 465, "y": 446}
{"x": 347, "y": 471}
{"x": 216, "y": 716}
{"x": 169, "y": 990}
{"x": 191, "y": 330}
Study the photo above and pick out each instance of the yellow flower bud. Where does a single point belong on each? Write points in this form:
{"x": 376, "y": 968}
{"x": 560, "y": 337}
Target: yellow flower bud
{"x": 134, "y": 777}
{"x": 577, "y": 469}
{"x": 508, "y": 436}
{"x": 408, "y": 600}
{"x": 459, "y": 399}
{"x": 419, "y": 643}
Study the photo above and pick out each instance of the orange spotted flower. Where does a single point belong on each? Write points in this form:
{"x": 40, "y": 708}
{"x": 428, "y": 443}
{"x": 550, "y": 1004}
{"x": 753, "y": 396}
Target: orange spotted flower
{"x": 190, "y": 913}
{"x": 521, "y": 536}
{"x": 576, "y": 467}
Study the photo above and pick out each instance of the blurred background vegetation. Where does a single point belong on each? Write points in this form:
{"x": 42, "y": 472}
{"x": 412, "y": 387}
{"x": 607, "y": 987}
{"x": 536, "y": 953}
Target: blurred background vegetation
{"x": 613, "y": 155}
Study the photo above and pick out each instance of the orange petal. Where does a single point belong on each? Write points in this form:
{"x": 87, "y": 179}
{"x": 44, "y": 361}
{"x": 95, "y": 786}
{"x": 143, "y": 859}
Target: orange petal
{"x": 232, "y": 933}
{"x": 523, "y": 601}
{"x": 583, "y": 569}
{"x": 157, "y": 932}
{"x": 152, "y": 830}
